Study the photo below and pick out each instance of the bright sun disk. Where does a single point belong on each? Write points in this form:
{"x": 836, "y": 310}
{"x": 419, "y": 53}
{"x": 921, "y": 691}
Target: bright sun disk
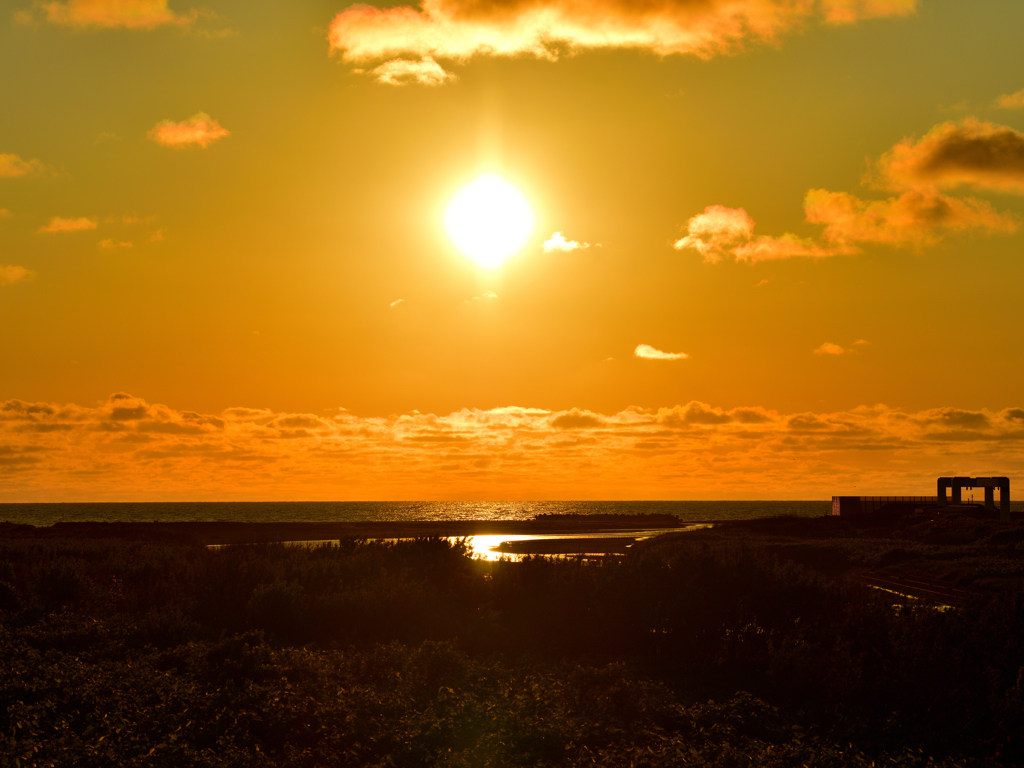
{"x": 489, "y": 220}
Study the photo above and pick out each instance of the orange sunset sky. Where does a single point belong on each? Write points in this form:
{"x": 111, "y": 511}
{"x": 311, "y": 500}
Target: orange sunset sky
{"x": 722, "y": 249}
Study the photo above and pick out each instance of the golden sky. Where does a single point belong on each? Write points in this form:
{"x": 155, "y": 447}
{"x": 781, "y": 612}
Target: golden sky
{"x": 770, "y": 248}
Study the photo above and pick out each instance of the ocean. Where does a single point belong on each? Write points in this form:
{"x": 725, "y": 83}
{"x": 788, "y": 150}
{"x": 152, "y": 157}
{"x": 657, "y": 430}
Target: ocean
{"x": 398, "y": 511}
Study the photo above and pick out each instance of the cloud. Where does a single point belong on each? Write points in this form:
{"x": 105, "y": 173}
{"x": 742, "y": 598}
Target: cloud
{"x": 713, "y": 232}
{"x": 108, "y": 14}
{"x": 913, "y": 218}
{"x": 696, "y": 412}
{"x": 861, "y": 343}
{"x": 1012, "y": 100}
{"x": 110, "y": 244}
{"x": 971, "y": 153}
{"x": 127, "y": 448}
{"x": 199, "y": 129}
{"x": 57, "y": 224}
{"x": 828, "y": 348}
{"x": 426, "y": 71}
{"x": 396, "y": 302}
{"x": 720, "y": 231}
{"x": 460, "y": 29}
{"x": 647, "y": 352}
{"x": 849, "y": 11}
{"x": 12, "y": 166}
{"x": 483, "y": 297}
{"x": 12, "y": 274}
{"x": 577, "y": 419}
{"x": 787, "y": 246}
{"x": 558, "y": 243}
{"x": 129, "y": 219}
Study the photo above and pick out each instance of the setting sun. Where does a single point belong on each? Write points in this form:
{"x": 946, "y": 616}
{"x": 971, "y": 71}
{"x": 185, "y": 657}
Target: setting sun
{"x": 489, "y": 220}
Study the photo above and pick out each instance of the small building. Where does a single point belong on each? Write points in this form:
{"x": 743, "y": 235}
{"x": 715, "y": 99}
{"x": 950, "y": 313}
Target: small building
{"x": 859, "y": 505}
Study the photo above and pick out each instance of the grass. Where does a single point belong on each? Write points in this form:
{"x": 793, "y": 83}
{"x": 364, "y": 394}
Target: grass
{"x": 735, "y": 646}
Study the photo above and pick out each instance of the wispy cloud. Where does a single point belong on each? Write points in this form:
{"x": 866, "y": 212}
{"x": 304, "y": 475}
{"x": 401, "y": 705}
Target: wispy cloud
{"x": 199, "y": 130}
{"x": 129, "y": 219}
{"x": 127, "y": 445}
{"x": 557, "y": 242}
{"x": 828, "y": 348}
{"x": 1011, "y": 100}
{"x": 12, "y": 166}
{"x": 912, "y": 218}
{"x": 110, "y": 244}
{"x": 396, "y": 302}
{"x": 486, "y": 296}
{"x": 108, "y": 14}
{"x": 12, "y": 274}
{"x": 647, "y": 352}
{"x": 426, "y": 71}
{"x": 461, "y": 29}
{"x": 58, "y": 224}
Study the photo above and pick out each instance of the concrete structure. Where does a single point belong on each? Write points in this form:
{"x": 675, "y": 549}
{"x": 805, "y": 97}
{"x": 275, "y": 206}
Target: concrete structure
{"x": 957, "y": 484}
{"x": 859, "y": 505}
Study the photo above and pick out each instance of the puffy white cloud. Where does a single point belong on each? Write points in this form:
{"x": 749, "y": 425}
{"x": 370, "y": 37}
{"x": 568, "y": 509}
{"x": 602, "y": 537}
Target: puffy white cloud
{"x": 460, "y": 29}
{"x": 199, "y": 130}
{"x": 557, "y": 242}
{"x": 426, "y": 71}
{"x": 721, "y": 231}
{"x": 647, "y": 352}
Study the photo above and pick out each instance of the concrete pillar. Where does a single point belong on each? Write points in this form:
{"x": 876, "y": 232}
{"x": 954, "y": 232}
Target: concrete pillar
{"x": 990, "y": 497}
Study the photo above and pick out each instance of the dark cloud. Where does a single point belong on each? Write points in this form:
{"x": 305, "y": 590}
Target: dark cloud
{"x": 971, "y": 153}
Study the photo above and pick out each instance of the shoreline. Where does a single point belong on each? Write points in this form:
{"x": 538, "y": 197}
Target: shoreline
{"x": 226, "y": 533}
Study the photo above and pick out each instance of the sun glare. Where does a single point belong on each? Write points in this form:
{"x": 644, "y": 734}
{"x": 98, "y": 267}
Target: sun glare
{"x": 489, "y": 220}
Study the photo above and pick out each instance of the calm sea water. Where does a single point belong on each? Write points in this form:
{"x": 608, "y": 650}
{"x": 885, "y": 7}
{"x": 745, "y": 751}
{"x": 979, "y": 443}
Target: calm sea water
{"x": 377, "y": 511}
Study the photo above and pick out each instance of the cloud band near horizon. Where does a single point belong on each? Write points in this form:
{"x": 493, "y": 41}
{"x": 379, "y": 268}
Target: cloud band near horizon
{"x": 129, "y": 449}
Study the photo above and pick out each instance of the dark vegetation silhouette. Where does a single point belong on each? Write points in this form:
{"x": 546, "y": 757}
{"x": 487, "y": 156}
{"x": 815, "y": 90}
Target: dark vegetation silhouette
{"x": 701, "y": 650}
